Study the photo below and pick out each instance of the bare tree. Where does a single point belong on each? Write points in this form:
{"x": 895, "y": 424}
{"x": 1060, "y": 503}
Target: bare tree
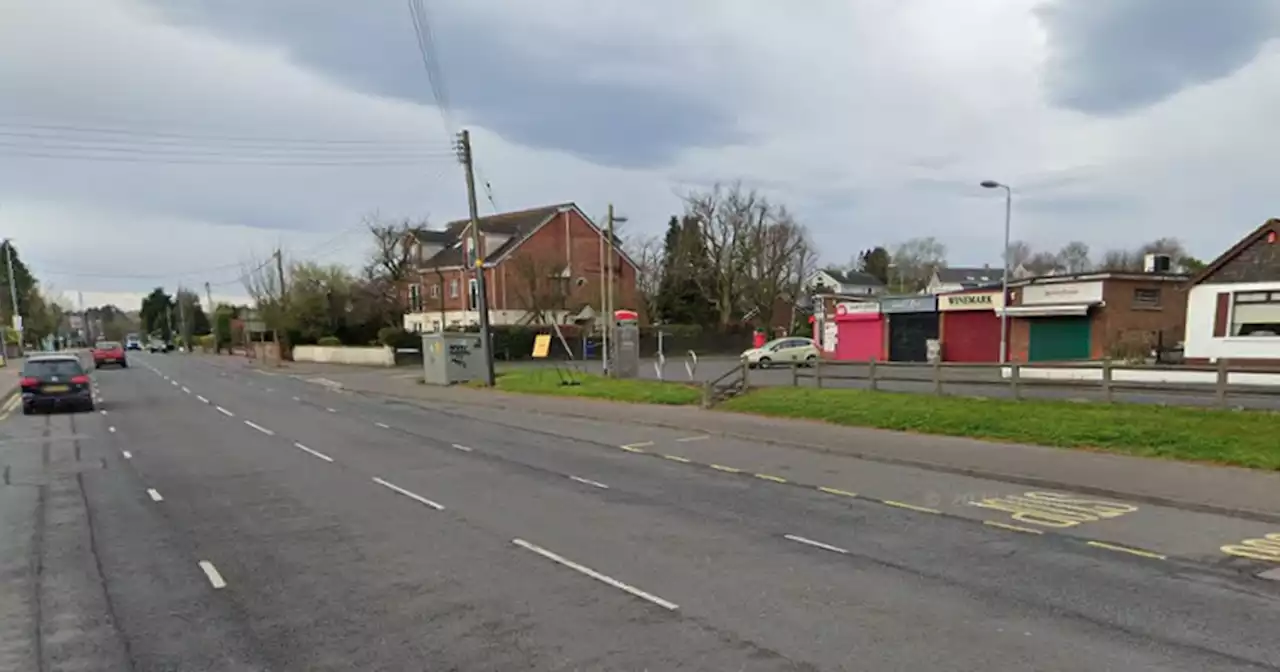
{"x": 724, "y": 217}
{"x": 915, "y": 261}
{"x": 1020, "y": 253}
{"x": 1043, "y": 263}
{"x": 390, "y": 264}
{"x": 1074, "y": 257}
{"x": 1132, "y": 260}
{"x": 778, "y": 250}
{"x": 647, "y": 252}
{"x": 541, "y": 287}
{"x": 263, "y": 283}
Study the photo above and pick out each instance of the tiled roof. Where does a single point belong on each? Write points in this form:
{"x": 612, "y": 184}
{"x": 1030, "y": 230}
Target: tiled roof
{"x": 852, "y": 277}
{"x": 515, "y": 225}
{"x": 969, "y": 276}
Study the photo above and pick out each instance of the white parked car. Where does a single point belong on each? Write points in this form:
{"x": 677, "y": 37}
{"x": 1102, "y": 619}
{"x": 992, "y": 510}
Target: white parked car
{"x": 784, "y": 352}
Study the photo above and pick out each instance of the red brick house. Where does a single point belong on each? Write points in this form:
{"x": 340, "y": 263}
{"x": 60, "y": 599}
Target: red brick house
{"x": 541, "y": 265}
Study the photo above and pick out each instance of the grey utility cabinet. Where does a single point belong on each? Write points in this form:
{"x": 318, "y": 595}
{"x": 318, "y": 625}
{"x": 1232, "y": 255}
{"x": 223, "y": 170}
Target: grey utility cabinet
{"x": 452, "y": 357}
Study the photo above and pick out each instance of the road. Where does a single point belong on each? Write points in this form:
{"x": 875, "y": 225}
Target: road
{"x": 214, "y": 518}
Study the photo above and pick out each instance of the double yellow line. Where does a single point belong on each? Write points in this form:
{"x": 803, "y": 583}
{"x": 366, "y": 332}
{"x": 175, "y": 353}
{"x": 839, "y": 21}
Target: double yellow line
{"x": 10, "y": 405}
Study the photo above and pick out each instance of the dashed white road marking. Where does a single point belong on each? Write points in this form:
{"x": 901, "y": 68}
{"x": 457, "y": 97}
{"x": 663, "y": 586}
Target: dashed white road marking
{"x": 383, "y": 425}
{"x": 267, "y": 389}
{"x": 173, "y": 383}
{"x": 465, "y": 449}
{"x": 816, "y": 544}
{"x": 127, "y": 455}
{"x": 111, "y": 429}
{"x": 331, "y": 410}
{"x": 686, "y": 439}
{"x": 296, "y": 399}
{"x": 595, "y": 575}
{"x": 186, "y": 389}
{"x": 316, "y": 453}
{"x": 155, "y": 495}
{"x": 415, "y": 497}
{"x": 260, "y": 428}
{"x": 211, "y": 572}
{"x": 103, "y": 411}
{"x": 225, "y": 412}
{"x": 587, "y": 481}
{"x": 202, "y": 399}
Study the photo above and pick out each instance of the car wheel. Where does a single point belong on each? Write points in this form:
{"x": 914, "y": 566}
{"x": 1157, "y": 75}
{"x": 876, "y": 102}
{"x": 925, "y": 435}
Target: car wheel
{"x": 764, "y": 362}
{"x": 810, "y": 360}
{"x": 124, "y": 365}
{"x": 28, "y": 410}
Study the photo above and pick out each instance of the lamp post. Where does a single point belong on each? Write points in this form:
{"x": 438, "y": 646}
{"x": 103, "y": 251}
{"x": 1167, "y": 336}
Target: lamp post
{"x": 1004, "y": 276}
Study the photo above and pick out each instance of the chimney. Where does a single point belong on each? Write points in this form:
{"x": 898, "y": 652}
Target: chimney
{"x": 1157, "y": 263}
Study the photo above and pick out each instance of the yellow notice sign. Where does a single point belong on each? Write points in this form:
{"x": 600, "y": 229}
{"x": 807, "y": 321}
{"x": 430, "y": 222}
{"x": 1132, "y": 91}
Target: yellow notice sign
{"x": 541, "y": 346}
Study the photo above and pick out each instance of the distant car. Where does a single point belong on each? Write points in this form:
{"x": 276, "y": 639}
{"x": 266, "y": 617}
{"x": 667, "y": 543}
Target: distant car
{"x": 132, "y": 342}
{"x": 782, "y": 351}
{"x": 109, "y": 352}
{"x": 158, "y": 346}
{"x": 53, "y": 382}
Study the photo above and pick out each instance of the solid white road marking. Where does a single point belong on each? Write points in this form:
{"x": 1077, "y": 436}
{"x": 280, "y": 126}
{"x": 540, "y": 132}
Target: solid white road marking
{"x": 816, "y": 544}
{"x": 459, "y": 446}
{"x": 260, "y": 428}
{"x": 693, "y": 438}
{"x": 202, "y": 399}
{"x": 318, "y": 454}
{"x": 186, "y": 389}
{"x": 225, "y": 412}
{"x": 589, "y": 482}
{"x": 410, "y": 495}
{"x": 595, "y": 575}
{"x": 383, "y": 425}
{"x": 127, "y": 455}
{"x": 155, "y": 495}
{"x": 215, "y": 579}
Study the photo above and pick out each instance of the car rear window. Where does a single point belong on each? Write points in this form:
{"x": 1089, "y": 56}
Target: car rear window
{"x": 107, "y": 345}
{"x": 52, "y": 367}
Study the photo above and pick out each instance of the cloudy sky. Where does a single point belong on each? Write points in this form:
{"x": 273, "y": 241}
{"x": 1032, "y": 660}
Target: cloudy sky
{"x": 147, "y": 142}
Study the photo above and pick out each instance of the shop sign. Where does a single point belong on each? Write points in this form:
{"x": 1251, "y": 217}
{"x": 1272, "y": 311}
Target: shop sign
{"x": 852, "y": 308}
{"x": 1066, "y": 292}
{"x": 909, "y": 304}
{"x": 971, "y": 301}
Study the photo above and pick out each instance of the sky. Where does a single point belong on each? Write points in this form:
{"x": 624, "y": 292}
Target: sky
{"x": 168, "y": 142}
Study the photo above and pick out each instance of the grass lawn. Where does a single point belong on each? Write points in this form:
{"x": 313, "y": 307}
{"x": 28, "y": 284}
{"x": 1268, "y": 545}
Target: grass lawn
{"x": 541, "y": 380}
{"x": 1241, "y": 438}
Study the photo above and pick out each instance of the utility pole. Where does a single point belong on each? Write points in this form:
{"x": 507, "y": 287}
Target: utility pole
{"x": 15, "y": 317}
{"x": 606, "y": 288}
{"x": 208, "y": 297}
{"x": 182, "y": 321}
{"x": 482, "y": 295}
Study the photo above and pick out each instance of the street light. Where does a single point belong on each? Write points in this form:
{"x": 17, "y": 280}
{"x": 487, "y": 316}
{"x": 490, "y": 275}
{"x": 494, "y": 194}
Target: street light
{"x": 1004, "y": 279}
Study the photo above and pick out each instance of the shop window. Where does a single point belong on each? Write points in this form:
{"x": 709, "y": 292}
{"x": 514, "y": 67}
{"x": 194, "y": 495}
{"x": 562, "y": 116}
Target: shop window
{"x": 1146, "y": 298}
{"x": 1256, "y": 314}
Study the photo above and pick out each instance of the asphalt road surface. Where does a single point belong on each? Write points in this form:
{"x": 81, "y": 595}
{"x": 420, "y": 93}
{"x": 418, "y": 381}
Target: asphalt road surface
{"x": 217, "y": 519}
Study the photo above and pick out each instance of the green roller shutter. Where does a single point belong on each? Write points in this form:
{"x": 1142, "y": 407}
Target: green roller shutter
{"x": 1056, "y": 339}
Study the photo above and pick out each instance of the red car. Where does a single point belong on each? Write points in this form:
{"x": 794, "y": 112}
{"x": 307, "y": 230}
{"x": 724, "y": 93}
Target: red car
{"x": 109, "y": 352}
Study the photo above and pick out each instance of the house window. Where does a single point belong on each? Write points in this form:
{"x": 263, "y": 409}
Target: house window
{"x": 1256, "y": 314}
{"x": 415, "y": 298}
{"x": 1146, "y": 298}
{"x": 453, "y": 288}
{"x": 434, "y": 291}
{"x": 472, "y": 294}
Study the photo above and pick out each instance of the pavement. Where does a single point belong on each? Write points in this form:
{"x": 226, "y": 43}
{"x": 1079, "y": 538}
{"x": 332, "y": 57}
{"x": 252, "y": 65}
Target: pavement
{"x": 977, "y": 381}
{"x": 217, "y": 517}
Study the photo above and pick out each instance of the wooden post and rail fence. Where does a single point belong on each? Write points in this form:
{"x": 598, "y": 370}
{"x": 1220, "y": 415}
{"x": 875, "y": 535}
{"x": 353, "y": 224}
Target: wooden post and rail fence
{"x": 1222, "y": 382}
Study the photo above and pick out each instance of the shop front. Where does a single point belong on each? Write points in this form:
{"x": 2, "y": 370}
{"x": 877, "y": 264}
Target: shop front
{"x": 860, "y": 331}
{"x": 912, "y": 321}
{"x": 1059, "y": 324}
{"x": 970, "y": 326}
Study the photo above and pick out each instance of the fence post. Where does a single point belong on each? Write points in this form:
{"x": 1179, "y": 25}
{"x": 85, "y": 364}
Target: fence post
{"x": 707, "y": 389}
{"x": 746, "y": 380}
{"x": 1221, "y": 387}
{"x": 871, "y": 373}
{"x": 1106, "y": 380}
{"x": 795, "y": 374}
{"x": 937, "y": 376}
{"x": 817, "y": 373}
{"x": 1015, "y": 379}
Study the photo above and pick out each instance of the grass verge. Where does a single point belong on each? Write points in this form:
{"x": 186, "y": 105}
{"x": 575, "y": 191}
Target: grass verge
{"x": 1240, "y": 438}
{"x": 547, "y": 381}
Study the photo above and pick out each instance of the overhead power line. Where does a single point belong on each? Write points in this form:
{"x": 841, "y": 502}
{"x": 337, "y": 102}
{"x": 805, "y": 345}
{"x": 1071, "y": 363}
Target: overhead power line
{"x": 9, "y": 127}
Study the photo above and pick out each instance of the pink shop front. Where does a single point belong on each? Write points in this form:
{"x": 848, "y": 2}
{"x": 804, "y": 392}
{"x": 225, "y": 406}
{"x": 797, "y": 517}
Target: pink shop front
{"x": 858, "y": 332}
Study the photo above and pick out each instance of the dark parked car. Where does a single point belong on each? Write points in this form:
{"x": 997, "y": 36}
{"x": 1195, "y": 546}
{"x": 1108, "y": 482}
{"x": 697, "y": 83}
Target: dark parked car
{"x": 55, "y": 382}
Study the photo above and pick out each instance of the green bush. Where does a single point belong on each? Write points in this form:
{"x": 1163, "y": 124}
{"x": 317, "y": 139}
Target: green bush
{"x": 329, "y": 341}
{"x": 396, "y": 337}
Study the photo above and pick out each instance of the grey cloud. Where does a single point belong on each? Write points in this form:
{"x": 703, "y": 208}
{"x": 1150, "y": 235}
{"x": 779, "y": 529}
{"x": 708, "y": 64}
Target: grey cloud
{"x": 493, "y": 77}
{"x": 1112, "y": 56}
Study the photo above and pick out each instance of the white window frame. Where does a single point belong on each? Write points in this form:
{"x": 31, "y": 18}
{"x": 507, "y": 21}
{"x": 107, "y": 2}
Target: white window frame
{"x": 1264, "y": 299}
{"x": 473, "y": 294}
{"x": 454, "y": 288}
{"x": 434, "y": 291}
